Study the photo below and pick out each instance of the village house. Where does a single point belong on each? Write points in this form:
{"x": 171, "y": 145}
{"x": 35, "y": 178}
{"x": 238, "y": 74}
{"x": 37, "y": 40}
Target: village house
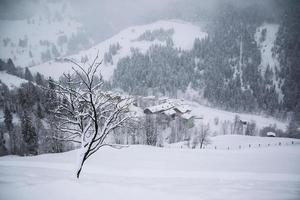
{"x": 169, "y": 111}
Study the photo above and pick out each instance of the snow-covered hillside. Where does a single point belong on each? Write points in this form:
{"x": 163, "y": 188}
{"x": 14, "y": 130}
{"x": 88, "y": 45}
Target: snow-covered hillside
{"x": 235, "y": 142}
{"x": 216, "y": 117}
{"x": 182, "y": 34}
{"x": 41, "y": 37}
{"x": 144, "y": 172}
{"x": 240, "y": 142}
{"x": 10, "y": 80}
{"x": 265, "y": 37}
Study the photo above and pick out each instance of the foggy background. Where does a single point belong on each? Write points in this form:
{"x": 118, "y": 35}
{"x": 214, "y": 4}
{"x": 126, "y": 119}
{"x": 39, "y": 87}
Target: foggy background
{"x": 104, "y": 18}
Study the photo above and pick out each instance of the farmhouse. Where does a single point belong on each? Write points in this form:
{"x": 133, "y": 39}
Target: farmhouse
{"x": 171, "y": 110}
{"x": 159, "y": 108}
{"x": 271, "y": 134}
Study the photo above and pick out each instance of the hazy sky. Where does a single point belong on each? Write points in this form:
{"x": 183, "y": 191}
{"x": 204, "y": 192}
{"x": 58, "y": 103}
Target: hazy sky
{"x": 103, "y": 18}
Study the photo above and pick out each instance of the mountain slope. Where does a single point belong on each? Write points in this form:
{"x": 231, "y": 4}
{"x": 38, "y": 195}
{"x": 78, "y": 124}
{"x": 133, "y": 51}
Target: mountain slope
{"x": 182, "y": 34}
{"x": 10, "y": 80}
{"x": 51, "y": 31}
{"x": 265, "y": 37}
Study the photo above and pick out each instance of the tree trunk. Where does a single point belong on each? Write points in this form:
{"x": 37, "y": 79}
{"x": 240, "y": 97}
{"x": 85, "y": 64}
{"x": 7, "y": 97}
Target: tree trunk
{"x": 78, "y": 171}
{"x": 201, "y": 144}
{"x": 80, "y": 167}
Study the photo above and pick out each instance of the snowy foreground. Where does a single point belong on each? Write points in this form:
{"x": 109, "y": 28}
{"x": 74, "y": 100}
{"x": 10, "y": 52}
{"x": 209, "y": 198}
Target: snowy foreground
{"x": 143, "y": 172}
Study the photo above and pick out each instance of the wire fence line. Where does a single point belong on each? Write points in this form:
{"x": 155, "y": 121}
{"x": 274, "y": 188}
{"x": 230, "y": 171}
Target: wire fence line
{"x": 251, "y": 145}
{"x": 240, "y": 146}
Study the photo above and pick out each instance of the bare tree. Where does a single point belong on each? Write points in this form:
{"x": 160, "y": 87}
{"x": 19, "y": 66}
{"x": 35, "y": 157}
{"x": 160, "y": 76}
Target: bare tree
{"x": 224, "y": 127}
{"x": 199, "y": 135}
{"x": 87, "y": 114}
{"x": 203, "y": 135}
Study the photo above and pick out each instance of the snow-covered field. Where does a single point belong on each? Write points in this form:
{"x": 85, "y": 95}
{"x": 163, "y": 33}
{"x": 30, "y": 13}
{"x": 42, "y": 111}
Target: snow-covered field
{"x": 209, "y": 115}
{"x": 143, "y": 172}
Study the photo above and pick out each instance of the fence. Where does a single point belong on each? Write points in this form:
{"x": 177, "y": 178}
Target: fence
{"x": 240, "y": 146}
{"x": 251, "y": 145}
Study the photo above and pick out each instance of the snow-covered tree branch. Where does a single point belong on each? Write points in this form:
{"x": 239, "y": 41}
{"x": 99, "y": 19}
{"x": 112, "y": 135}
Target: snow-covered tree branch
{"x": 87, "y": 114}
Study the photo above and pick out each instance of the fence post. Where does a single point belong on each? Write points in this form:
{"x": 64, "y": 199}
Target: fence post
{"x": 292, "y": 142}
{"x": 258, "y": 145}
{"x": 249, "y": 145}
{"x": 279, "y": 143}
{"x": 215, "y": 147}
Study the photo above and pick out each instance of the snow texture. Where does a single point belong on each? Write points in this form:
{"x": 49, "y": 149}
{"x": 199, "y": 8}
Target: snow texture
{"x": 144, "y": 172}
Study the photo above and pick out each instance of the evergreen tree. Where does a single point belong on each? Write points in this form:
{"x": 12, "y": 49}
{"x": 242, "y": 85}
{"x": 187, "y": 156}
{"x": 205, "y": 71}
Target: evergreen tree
{"x": 30, "y": 137}
{"x": 28, "y": 75}
{"x": 39, "y": 112}
{"x": 55, "y": 52}
{"x": 294, "y": 125}
{"x": 4, "y": 95}
{"x": 51, "y": 97}
{"x": 2, "y": 65}
{"x": 10, "y": 67}
{"x": 27, "y": 96}
{"x": 287, "y": 45}
{"x": 8, "y": 119}
{"x": 39, "y": 79}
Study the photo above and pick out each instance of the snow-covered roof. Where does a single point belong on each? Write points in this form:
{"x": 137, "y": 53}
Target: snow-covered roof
{"x": 170, "y": 112}
{"x": 149, "y": 97}
{"x": 187, "y": 116}
{"x": 271, "y": 134}
{"x": 169, "y": 108}
{"x": 161, "y": 107}
{"x": 183, "y": 108}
